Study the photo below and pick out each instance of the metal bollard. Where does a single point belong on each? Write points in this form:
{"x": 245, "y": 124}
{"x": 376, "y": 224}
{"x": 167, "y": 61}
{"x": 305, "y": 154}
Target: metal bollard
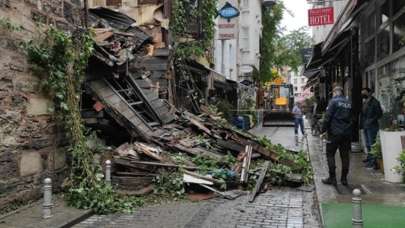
{"x": 108, "y": 172}
{"x": 47, "y": 205}
{"x": 357, "y": 219}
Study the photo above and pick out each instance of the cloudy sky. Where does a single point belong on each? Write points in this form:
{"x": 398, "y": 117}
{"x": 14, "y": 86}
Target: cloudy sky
{"x": 299, "y": 9}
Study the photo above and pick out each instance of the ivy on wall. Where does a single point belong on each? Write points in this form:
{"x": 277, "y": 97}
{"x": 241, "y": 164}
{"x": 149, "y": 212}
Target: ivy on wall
{"x": 61, "y": 59}
{"x": 187, "y": 14}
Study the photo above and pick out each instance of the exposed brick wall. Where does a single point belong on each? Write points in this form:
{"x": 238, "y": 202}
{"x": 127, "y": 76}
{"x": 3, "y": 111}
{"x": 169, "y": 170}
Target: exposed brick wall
{"x": 29, "y": 150}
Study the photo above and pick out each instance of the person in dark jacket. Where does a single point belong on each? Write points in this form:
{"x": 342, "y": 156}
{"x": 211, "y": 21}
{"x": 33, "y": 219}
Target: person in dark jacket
{"x": 371, "y": 113}
{"x": 338, "y": 127}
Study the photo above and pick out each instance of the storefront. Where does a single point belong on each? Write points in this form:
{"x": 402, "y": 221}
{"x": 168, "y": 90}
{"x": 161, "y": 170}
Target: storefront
{"x": 382, "y": 43}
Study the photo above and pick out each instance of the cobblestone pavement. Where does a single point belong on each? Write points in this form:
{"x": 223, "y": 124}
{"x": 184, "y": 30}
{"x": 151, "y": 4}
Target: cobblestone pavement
{"x": 281, "y": 207}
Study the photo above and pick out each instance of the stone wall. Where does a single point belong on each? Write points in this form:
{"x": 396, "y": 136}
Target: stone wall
{"x": 29, "y": 149}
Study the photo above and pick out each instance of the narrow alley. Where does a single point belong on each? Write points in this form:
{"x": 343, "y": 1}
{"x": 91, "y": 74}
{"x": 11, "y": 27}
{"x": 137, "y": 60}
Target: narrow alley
{"x": 202, "y": 113}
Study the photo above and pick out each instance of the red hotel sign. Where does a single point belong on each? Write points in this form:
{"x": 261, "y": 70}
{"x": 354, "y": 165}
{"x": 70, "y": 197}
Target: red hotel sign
{"x": 321, "y": 16}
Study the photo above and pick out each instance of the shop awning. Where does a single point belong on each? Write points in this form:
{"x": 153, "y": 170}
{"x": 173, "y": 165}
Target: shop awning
{"x": 313, "y": 80}
{"x": 316, "y": 59}
{"x": 344, "y": 21}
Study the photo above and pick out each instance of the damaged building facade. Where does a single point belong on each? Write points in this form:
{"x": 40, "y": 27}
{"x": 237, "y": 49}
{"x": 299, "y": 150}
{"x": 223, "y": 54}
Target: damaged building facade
{"x": 131, "y": 90}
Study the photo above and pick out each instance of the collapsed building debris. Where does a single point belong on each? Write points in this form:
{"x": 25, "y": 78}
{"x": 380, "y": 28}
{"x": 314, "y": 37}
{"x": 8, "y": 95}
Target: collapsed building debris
{"x": 128, "y": 84}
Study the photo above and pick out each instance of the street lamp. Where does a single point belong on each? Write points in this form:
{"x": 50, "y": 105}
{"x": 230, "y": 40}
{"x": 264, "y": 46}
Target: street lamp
{"x": 269, "y": 3}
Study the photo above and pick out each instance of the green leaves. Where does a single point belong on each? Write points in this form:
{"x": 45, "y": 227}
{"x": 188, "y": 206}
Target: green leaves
{"x": 279, "y": 50}
{"x": 170, "y": 184}
{"x": 102, "y": 199}
{"x": 297, "y": 162}
{"x": 183, "y": 15}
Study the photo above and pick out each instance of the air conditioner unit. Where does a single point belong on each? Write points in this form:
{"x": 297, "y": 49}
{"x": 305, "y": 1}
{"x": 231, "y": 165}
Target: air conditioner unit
{"x": 269, "y": 3}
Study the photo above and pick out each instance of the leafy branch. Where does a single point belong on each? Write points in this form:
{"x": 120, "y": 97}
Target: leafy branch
{"x": 184, "y": 15}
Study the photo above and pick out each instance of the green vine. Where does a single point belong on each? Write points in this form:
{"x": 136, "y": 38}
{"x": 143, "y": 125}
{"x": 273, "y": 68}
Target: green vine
{"x": 61, "y": 59}
{"x": 402, "y": 164}
{"x": 184, "y": 15}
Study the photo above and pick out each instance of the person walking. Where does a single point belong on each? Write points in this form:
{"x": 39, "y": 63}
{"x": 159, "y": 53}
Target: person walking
{"x": 337, "y": 126}
{"x": 298, "y": 119}
{"x": 371, "y": 113}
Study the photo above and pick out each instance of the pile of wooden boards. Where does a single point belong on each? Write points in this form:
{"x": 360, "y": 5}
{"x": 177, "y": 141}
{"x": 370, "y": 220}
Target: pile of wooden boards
{"x": 206, "y": 135}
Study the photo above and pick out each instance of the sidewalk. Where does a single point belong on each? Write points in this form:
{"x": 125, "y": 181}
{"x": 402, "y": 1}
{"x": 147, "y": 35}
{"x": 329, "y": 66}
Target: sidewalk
{"x": 383, "y": 202}
{"x": 31, "y": 216}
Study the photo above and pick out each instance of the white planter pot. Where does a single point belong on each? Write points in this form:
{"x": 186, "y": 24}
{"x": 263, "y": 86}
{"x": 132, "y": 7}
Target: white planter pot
{"x": 391, "y": 149}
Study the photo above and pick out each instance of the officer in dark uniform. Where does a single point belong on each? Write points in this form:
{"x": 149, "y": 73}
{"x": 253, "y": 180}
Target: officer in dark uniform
{"x": 337, "y": 126}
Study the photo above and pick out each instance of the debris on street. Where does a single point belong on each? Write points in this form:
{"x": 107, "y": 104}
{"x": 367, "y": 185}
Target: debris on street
{"x": 127, "y": 96}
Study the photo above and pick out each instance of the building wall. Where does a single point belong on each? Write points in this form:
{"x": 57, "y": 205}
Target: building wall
{"x": 235, "y": 58}
{"x": 226, "y": 52}
{"x": 249, "y": 38}
{"x": 319, "y": 33}
{"x": 299, "y": 82}
{"x": 28, "y": 143}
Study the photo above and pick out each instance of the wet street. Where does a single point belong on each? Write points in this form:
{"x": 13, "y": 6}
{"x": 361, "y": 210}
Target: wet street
{"x": 278, "y": 207}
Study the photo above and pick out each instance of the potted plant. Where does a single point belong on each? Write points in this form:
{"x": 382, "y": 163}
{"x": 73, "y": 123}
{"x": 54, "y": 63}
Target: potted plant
{"x": 377, "y": 153}
{"x": 401, "y": 160}
{"x": 391, "y": 145}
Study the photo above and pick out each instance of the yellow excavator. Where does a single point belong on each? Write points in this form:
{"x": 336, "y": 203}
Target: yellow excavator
{"x": 279, "y": 102}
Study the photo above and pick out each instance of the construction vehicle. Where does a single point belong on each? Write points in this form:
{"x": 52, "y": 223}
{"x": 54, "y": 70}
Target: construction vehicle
{"x": 279, "y": 102}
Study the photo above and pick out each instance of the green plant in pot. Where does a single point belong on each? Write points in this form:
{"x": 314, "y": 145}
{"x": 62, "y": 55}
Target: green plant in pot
{"x": 391, "y": 146}
{"x": 377, "y": 153}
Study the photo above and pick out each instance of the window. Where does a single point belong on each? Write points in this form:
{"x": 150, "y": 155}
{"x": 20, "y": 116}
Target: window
{"x": 302, "y": 88}
{"x": 383, "y": 43}
{"x": 302, "y": 80}
{"x": 245, "y": 38}
{"x": 295, "y": 81}
{"x": 245, "y": 4}
{"x": 369, "y": 52}
{"x": 397, "y": 5}
{"x": 369, "y": 26}
{"x": 295, "y": 88}
{"x": 399, "y": 33}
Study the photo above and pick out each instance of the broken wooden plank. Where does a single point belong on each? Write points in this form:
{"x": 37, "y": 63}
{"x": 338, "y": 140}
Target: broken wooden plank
{"x": 126, "y": 150}
{"x": 246, "y": 164}
{"x": 259, "y": 181}
{"x": 226, "y": 195}
{"x": 150, "y": 151}
{"x": 199, "y": 152}
{"x": 135, "y": 174}
{"x": 195, "y": 180}
{"x": 203, "y": 177}
{"x": 133, "y": 164}
{"x": 194, "y": 121}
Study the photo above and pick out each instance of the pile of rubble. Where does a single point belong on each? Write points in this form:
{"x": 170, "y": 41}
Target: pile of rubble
{"x": 129, "y": 81}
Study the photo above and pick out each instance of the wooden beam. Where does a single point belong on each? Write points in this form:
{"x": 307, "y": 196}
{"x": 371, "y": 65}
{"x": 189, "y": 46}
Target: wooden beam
{"x": 259, "y": 182}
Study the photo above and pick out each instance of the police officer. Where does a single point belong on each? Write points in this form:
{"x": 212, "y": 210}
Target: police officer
{"x": 337, "y": 126}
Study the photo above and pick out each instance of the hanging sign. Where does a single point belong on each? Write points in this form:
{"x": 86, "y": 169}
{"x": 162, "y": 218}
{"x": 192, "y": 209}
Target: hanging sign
{"x": 227, "y": 22}
{"x": 321, "y": 16}
{"x": 228, "y": 11}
